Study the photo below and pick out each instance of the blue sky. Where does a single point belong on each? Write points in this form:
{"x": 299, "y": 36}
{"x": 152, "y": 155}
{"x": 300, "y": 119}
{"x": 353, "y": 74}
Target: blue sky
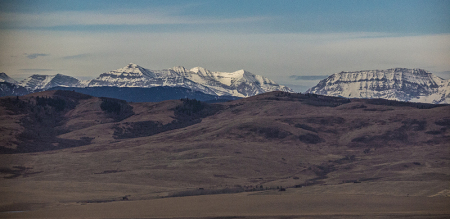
{"x": 276, "y": 39}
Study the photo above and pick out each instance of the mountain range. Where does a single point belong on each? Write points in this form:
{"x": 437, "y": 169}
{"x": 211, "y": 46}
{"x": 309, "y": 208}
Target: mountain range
{"x": 239, "y": 83}
{"x": 401, "y": 84}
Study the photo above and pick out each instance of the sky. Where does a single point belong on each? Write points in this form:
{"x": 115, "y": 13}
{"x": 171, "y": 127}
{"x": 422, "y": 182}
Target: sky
{"x": 293, "y": 42}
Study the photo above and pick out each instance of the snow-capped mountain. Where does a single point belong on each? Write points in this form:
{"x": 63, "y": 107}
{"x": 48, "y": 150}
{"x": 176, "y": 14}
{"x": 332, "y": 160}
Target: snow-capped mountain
{"x": 239, "y": 83}
{"x": 44, "y": 82}
{"x": 402, "y": 84}
{"x": 5, "y": 78}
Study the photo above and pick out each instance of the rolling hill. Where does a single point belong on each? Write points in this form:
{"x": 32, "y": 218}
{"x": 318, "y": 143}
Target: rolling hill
{"x": 65, "y": 148}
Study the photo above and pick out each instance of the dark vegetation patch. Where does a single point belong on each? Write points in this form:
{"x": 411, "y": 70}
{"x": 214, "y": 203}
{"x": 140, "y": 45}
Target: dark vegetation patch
{"x": 379, "y": 110}
{"x": 400, "y": 103}
{"x": 443, "y": 122}
{"x": 399, "y": 134}
{"x": 310, "y": 138}
{"x": 43, "y": 118}
{"x": 436, "y": 132}
{"x": 188, "y": 113}
{"x": 434, "y": 176}
{"x": 123, "y": 198}
{"x": 361, "y": 106}
{"x": 202, "y": 191}
{"x": 271, "y": 132}
{"x": 152, "y": 94}
{"x": 378, "y": 140}
{"x": 328, "y": 120}
{"x": 223, "y": 176}
{"x": 346, "y": 159}
{"x": 369, "y": 179}
{"x": 267, "y": 132}
{"x": 357, "y": 124}
{"x": 310, "y": 99}
{"x": 351, "y": 181}
{"x": 414, "y": 125}
{"x": 323, "y": 169}
{"x": 110, "y": 171}
{"x": 118, "y": 109}
{"x": 305, "y": 127}
{"x": 227, "y": 190}
{"x": 17, "y": 171}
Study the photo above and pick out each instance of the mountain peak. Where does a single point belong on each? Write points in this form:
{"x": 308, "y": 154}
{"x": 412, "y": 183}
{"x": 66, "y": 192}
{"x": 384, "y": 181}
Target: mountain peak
{"x": 201, "y": 70}
{"x": 130, "y": 68}
{"x": 179, "y": 69}
{"x": 132, "y": 65}
{"x": 401, "y": 84}
{"x": 240, "y": 83}
{"x": 5, "y": 78}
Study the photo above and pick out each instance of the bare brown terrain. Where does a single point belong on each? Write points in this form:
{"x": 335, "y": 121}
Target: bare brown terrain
{"x": 276, "y": 155}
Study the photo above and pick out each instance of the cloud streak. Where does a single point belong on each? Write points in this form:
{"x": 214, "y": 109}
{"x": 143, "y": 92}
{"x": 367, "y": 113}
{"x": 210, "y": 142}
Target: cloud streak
{"x": 35, "y": 70}
{"x": 277, "y": 56}
{"x": 93, "y": 18}
{"x": 307, "y": 77}
{"x": 35, "y": 55}
{"x": 79, "y": 56}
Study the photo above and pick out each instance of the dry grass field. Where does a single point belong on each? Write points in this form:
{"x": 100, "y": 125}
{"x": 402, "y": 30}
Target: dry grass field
{"x": 75, "y": 156}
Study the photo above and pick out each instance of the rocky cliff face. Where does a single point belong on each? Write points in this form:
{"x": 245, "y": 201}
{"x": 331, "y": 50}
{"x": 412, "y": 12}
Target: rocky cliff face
{"x": 412, "y": 85}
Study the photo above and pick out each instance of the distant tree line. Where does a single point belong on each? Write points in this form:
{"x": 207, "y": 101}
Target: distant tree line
{"x": 311, "y": 99}
{"x": 189, "y": 106}
{"x": 57, "y": 103}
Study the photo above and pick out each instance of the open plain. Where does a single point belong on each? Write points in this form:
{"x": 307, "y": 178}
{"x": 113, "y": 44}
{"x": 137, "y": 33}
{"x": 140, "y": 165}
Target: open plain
{"x": 275, "y": 155}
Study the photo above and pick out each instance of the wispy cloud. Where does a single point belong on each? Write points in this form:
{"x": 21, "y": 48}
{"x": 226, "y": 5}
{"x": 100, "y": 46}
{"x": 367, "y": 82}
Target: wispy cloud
{"x": 308, "y": 77}
{"x": 79, "y": 56}
{"x": 92, "y": 18}
{"x": 35, "y": 55}
{"x": 35, "y": 70}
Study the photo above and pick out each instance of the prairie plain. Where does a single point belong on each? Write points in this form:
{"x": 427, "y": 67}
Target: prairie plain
{"x": 275, "y": 155}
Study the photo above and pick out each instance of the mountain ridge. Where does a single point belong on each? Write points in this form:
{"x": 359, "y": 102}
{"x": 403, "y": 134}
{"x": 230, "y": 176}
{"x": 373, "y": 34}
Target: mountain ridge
{"x": 240, "y": 83}
{"x": 401, "y": 84}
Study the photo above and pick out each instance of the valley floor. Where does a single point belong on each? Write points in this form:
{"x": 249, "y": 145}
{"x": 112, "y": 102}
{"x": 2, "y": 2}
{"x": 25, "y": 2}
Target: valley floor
{"x": 319, "y": 201}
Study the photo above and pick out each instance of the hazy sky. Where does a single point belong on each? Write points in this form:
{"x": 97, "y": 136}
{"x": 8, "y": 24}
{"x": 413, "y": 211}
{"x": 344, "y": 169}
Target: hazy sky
{"x": 276, "y": 39}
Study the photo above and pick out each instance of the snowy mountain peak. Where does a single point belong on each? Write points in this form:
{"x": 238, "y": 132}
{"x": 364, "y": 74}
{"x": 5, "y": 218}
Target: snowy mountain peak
{"x": 130, "y": 71}
{"x": 241, "y": 72}
{"x": 201, "y": 71}
{"x": 43, "y": 82}
{"x": 5, "y": 78}
{"x": 179, "y": 69}
{"x": 240, "y": 83}
{"x": 130, "y": 68}
{"x": 402, "y": 84}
